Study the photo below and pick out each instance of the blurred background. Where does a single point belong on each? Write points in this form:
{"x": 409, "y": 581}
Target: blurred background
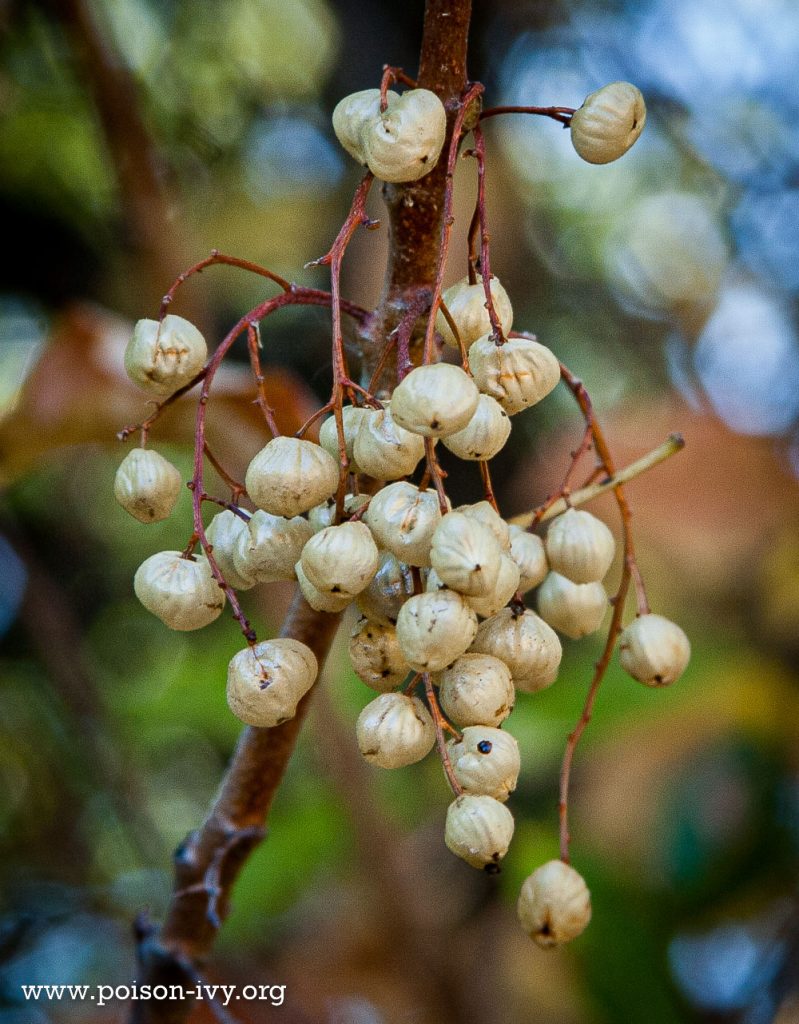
{"x": 137, "y": 135}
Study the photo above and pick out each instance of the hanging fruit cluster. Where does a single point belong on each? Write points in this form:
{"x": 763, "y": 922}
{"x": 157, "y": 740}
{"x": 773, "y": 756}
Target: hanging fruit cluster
{"x": 363, "y": 519}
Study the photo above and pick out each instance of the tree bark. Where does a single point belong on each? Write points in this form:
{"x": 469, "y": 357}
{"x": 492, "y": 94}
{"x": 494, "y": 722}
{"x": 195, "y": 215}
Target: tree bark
{"x": 415, "y": 210}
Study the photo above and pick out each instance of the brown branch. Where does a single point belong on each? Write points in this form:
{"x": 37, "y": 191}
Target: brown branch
{"x": 209, "y": 861}
{"x": 416, "y": 210}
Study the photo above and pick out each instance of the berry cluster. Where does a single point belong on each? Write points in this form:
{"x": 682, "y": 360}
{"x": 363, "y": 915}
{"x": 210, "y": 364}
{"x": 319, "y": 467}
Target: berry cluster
{"x": 444, "y": 635}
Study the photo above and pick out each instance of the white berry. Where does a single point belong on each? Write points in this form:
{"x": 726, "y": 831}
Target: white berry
{"x": 478, "y": 829}
{"x": 466, "y": 304}
{"x": 403, "y": 520}
{"x": 527, "y": 551}
{"x": 147, "y": 485}
{"x": 579, "y": 546}
{"x": 341, "y": 559}
{"x": 182, "y": 592}
{"x": 434, "y": 629}
{"x": 465, "y": 554}
{"x": 290, "y": 476}
{"x": 435, "y": 400}
{"x": 383, "y": 449}
{"x": 477, "y": 689}
{"x": 554, "y": 904}
{"x": 376, "y": 656}
{"x": 404, "y": 142}
{"x": 265, "y": 683}
{"x": 654, "y": 650}
{"x": 486, "y": 761}
{"x": 574, "y": 609}
{"x": 162, "y": 357}
{"x": 485, "y": 434}
{"x": 608, "y": 123}
{"x": 527, "y": 645}
{"x": 270, "y": 546}
{"x": 518, "y": 374}
{"x": 395, "y": 730}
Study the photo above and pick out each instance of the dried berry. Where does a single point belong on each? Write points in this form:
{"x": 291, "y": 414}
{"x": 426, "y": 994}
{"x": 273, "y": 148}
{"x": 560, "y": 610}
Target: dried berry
{"x": 654, "y": 650}
{"x": 395, "y": 730}
{"x": 478, "y": 829}
{"x": 182, "y": 592}
{"x": 290, "y": 476}
{"x": 162, "y": 357}
{"x": 147, "y": 485}
{"x": 554, "y": 904}
{"x": 265, "y": 683}
{"x": 608, "y": 123}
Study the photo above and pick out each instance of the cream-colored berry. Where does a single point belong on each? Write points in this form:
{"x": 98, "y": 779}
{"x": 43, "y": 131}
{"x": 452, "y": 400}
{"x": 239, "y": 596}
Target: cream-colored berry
{"x": 385, "y": 450}
{"x": 435, "y": 400}
{"x": 579, "y": 546}
{"x": 608, "y": 123}
{"x": 486, "y": 761}
{"x": 376, "y": 656}
{"x": 162, "y": 357}
{"x": 466, "y": 304}
{"x": 477, "y": 689}
{"x": 554, "y": 904}
{"x": 518, "y": 374}
{"x": 290, "y": 476}
{"x": 654, "y": 650}
{"x": 224, "y": 533}
{"x": 574, "y": 609}
{"x": 351, "y": 416}
{"x": 527, "y": 551}
{"x": 265, "y": 683}
{"x": 485, "y": 434}
{"x": 478, "y": 829}
{"x": 351, "y": 116}
{"x": 182, "y": 592}
{"x": 465, "y": 554}
{"x": 403, "y": 520}
{"x": 485, "y": 513}
{"x": 389, "y": 589}
{"x": 320, "y": 600}
{"x": 527, "y": 645}
{"x": 434, "y": 629}
{"x": 404, "y": 142}
{"x": 395, "y": 730}
{"x": 506, "y": 586}
{"x": 147, "y": 485}
{"x": 341, "y": 559}
{"x": 270, "y": 547}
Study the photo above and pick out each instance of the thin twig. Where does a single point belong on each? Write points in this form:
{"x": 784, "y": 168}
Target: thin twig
{"x": 562, "y": 114}
{"x": 674, "y": 443}
{"x": 485, "y": 238}
{"x": 217, "y": 257}
{"x": 472, "y": 93}
{"x": 441, "y": 724}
